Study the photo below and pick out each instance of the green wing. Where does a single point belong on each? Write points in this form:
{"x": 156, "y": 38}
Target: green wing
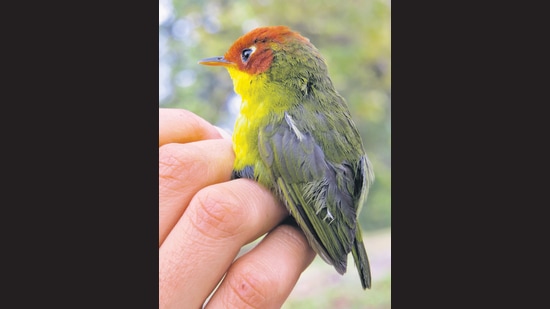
{"x": 321, "y": 184}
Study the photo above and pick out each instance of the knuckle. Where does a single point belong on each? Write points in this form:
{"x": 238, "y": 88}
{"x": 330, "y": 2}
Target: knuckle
{"x": 250, "y": 287}
{"x": 176, "y": 165}
{"x": 218, "y": 213}
{"x": 169, "y": 161}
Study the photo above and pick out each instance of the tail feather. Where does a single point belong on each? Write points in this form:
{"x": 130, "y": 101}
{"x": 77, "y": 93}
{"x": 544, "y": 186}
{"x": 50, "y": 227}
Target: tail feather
{"x": 361, "y": 260}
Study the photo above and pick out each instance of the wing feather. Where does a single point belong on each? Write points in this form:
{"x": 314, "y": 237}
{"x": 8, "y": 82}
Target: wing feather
{"x": 320, "y": 194}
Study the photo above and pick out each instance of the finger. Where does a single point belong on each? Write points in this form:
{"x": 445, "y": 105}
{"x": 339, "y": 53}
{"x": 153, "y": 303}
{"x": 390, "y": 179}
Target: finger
{"x": 265, "y": 276}
{"x": 182, "y": 126}
{"x": 203, "y": 244}
{"x": 225, "y": 134}
{"x": 186, "y": 168}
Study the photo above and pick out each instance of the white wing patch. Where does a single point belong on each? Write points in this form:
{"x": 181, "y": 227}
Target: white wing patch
{"x": 292, "y": 125}
{"x": 328, "y": 218}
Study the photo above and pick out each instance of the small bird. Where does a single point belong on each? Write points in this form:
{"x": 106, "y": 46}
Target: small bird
{"x": 295, "y": 136}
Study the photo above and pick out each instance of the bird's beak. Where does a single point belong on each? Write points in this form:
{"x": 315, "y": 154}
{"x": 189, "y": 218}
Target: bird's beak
{"x": 215, "y": 61}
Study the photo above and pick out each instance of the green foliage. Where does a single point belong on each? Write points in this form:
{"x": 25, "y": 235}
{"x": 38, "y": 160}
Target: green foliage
{"x": 377, "y": 298}
{"x": 354, "y": 38}
{"x": 345, "y": 295}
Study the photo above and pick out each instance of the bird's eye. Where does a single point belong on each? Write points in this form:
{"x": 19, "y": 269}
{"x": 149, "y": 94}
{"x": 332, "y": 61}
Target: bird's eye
{"x": 246, "y": 54}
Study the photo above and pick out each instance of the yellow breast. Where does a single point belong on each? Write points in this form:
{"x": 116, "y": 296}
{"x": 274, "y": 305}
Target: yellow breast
{"x": 258, "y": 108}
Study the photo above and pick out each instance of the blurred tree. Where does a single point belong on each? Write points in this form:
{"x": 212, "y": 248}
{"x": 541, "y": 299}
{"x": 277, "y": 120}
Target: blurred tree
{"x": 354, "y": 38}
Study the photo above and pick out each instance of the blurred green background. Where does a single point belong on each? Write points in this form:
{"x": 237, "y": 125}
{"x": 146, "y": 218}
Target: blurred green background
{"x": 354, "y": 38}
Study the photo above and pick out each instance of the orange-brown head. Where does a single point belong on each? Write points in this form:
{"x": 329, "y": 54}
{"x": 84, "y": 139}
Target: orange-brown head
{"x": 253, "y": 52}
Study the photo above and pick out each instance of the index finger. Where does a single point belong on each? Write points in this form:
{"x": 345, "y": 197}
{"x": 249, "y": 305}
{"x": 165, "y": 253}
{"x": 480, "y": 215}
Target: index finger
{"x": 182, "y": 126}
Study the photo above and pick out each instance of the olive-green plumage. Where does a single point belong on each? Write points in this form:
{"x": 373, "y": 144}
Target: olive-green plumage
{"x": 295, "y": 136}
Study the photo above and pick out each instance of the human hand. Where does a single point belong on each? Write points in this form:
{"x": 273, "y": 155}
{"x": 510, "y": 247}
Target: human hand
{"x": 204, "y": 220}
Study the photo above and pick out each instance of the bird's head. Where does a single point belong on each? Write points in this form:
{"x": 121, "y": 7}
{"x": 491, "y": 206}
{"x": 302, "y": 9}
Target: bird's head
{"x": 288, "y": 60}
{"x": 253, "y": 52}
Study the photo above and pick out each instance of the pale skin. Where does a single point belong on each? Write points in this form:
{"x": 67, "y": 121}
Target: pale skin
{"x": 205, "y": 218}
